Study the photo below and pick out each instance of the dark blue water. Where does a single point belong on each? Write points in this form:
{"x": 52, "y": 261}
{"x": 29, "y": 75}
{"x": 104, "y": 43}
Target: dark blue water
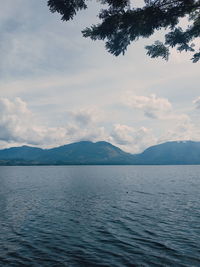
{"x": 100, "y": 216}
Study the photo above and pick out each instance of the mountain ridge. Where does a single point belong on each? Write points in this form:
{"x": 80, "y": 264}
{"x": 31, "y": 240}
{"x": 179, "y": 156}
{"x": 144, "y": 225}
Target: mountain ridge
{"x": 103, "y": 153}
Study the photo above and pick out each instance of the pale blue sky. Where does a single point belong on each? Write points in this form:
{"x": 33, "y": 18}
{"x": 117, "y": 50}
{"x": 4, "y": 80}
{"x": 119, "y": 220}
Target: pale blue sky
{"x": 57, "y": 87}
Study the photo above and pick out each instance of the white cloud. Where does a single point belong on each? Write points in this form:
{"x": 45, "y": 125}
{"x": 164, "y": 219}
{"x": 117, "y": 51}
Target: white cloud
{"x": 184, "y": 130}
{"x": 16, "y": 122}
{"x": 131, "y": 139}
{"x": 152, "y": 106}
{"x": 18, "y": 125}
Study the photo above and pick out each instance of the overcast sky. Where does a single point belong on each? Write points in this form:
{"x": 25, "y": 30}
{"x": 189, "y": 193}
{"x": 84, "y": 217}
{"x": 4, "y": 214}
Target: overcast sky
{"x": 57, "y": 87}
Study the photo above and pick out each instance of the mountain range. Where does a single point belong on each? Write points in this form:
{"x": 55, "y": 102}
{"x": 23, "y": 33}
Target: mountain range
{"x": 102, "y": 153}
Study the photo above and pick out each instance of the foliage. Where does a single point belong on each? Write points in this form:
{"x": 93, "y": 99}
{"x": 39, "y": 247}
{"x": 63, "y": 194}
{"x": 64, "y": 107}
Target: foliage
{"x": 122, "y": 23}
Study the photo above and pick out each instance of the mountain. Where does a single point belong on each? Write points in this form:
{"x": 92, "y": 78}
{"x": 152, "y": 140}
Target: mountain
{"x": 177, "y": 152}
{"x": 23, "y": 152}
{"x": 85, "y": 152}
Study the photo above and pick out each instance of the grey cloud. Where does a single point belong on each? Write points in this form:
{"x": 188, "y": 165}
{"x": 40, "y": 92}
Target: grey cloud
{"x": 32, "y": 45}
{"x": 196, "y": 102}
{"x": 84, "y": 116}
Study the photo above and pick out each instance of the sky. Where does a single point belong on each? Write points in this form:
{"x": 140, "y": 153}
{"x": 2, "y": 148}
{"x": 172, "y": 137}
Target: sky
{"x": 57, "y": 87}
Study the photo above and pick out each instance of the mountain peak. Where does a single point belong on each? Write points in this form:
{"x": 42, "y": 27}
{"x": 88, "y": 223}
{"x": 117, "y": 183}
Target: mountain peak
{"x": 102, "y": 152}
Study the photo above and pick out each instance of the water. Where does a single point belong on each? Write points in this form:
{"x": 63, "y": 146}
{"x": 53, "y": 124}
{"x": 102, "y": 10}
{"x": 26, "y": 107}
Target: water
{"x": 100, "y": 216}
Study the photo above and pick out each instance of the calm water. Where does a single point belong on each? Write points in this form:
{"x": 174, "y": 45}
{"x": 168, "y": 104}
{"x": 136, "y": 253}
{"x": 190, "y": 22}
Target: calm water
{"x": 100, "y": 216}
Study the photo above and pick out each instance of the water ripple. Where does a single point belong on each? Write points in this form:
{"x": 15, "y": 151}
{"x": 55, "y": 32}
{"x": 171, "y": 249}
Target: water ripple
{"x": 99, "y": 216}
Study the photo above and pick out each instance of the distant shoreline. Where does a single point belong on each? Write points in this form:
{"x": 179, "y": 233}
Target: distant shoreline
{"x": 57, "y": 165}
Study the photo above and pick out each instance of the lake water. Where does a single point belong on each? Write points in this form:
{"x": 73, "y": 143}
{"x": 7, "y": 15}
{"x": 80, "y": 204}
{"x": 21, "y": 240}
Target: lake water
{"x": 100, "y": 216}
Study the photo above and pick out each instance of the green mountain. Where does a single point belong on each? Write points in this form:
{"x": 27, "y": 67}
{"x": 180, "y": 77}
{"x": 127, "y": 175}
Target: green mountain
{"x": 181, "y": 152}
{"x": 85, "y": 152}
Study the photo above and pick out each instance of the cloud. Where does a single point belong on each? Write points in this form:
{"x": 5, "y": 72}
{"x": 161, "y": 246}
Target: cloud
{"x": 152, "y": 106}
{"x": 16, "y": 121}
{"x": 183, "y": 130}
{"x": 18, "y": 125}
{"x": 85, "y": 116}
{"x": 131, "y": 139}
{"x": 196, "y": 102}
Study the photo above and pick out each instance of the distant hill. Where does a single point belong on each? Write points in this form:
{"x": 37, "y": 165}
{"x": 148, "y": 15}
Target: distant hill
{"x": 181, "y": 152}
{"x": 83, "y": 152}
{"x": 86, "y": 152}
